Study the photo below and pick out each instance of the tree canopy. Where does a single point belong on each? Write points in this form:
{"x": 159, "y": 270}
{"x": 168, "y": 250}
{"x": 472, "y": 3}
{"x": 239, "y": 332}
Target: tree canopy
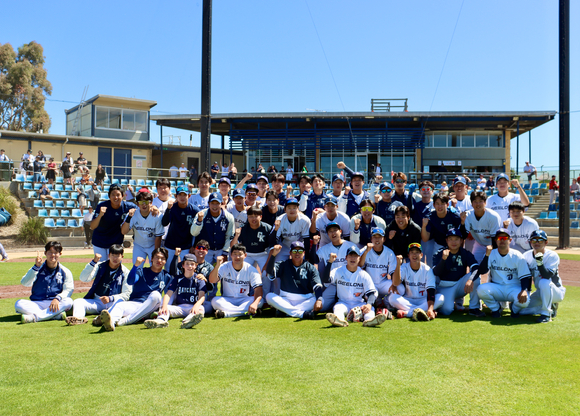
{"x": 23, "y": 86}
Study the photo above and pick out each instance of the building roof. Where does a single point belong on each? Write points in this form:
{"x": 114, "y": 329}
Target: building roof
{"x": 118, "y": 101}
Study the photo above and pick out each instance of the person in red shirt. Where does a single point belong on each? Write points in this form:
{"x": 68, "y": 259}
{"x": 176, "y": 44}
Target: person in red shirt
{"x": 553, "y": 189}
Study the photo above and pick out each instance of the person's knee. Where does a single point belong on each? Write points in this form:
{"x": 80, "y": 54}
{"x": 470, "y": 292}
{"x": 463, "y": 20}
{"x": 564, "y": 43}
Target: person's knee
{"x": 155, "y": 296}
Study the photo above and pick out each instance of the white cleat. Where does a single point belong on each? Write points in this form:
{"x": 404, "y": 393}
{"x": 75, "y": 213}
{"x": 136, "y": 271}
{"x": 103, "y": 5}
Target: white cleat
{"x": 335, "y": 321}
{"x": 191, "y": 320}
{"x": 377, "y": 320}
{"x": 27, "y": 319}
{"x": 156, "y": 323}
{"x": 107, "y": 321}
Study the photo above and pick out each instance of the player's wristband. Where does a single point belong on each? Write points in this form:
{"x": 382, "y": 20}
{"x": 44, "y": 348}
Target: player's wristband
{"x": 58, "y": 297}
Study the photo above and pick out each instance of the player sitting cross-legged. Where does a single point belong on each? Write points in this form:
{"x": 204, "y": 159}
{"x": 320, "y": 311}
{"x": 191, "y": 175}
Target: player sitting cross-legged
{"x": 420, "y": 300}
{"x": 109, "y": 284}
{"x": 185, "y": 295}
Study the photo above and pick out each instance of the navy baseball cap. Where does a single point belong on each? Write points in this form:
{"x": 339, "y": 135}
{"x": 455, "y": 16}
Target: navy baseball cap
{"x": 251, "y": 187}
{"x": 386, "y": 185}
{"x": 226, "y": 180}
{"x": 332, "y": 224}
{"x": 239, "y": 192}
{"x": 263, "y": 178}
{"x": 190, "y": 257}
{"x": 338, "y": 177}
{"x": 355, "y": 174}
{"x": 460, "y": 179}
{"x": 292, "y": 201}
{"x": 180, "y": 189}
{"x": 378, "y": 230}
{"x": 502, "y": 231}
{"x": 331, "y": 200}
{"x": 215, "y": 196}
{"x": 454, "y": 232}
{"x": 353, "y": 250}
{"x": 539, "y": 234}
{"x": 297, "y": 244}
{"x": 502, "y": 176}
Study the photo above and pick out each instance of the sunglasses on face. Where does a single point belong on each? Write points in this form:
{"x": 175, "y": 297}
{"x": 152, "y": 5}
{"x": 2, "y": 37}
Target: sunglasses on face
{"x": 144, "y": 202}
{"x": 502, "y": 238}
{"x": 386, "y": 191}
{"x": 399, "y": 181}
{"x": 367, "y": 209}
{"x": 425, "y": 189}
{"x": 201, "y": 248}
{"x": 297, "y": 251}
{"x": 536, "y": 240}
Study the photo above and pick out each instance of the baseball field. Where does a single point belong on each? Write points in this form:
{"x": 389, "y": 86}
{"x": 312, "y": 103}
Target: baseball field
{"x": 454, "y": 365}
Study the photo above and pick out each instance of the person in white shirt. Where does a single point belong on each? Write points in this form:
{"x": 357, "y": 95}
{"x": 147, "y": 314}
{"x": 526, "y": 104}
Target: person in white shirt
{"x": 482, "y": 223}
{"x": 481, "y": 182}
{"x": 321, "y": 218}
{"x": 290, "y": 227}
{"x": 161, "y": 201}
{"x": 87, "y": 218}
{"x": 183, "y": 171}
{"x": 520, "y": 227}
{"x": 173, "y": 171}
{"x": 289, "y": 174}
{"x": 501, "y": 201}
{"x": 530, "y": 170}
{"x": 3, "y": 156}
{"x": 200, "y": 199}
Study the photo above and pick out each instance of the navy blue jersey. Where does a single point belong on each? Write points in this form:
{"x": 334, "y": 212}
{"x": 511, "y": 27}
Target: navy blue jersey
{"x": 352, "y": 207}
{"x": 49, "y": 282}
{"x": 179, "y": 221}
{"x": 186, "y": 289}
{"x": 455, "y": 267}
{"x": 145, "y": 281}
{"x": 301, "y": 280}
{"x": 107, "y": 282}
{"x": 422, "y": 210}
{"x": 214, "y": 230}
{"x": 400, "y": 243}
{"x": 386, "y": 210}
{"x": 314, "y": 201}
{"x": 438, "y": 227}
{"x": 365, "y": 231}
{"x": 406, "y": 198}
{"x": 109, "y": 230}
{"x": 282, "y": 199}
{"x": 268, "y": 217}
{"x": 255, "y": 241}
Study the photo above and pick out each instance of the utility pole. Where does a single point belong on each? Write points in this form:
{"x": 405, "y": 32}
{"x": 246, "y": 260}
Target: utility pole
{"x": 564, "y": 72}
{"x": 204, "y": 165}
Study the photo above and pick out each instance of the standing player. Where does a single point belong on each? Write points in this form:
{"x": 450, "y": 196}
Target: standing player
{"x": 255, "y": 235}
{"x": 200, "y": 200}
{"x": 543, "y": 264}
{"x": 109, "y": 285}
{"x": 161, "y": 200}
{"x": 238, "y": 210}
{"x": 460, "y": 201}
{"x": 241, "y": 286}
{"x": 362, "y": 224}
{"x": 52, "y": 286}
{"x": 436, "y": 226}
{"x": 520, "y": 227}
{"x": 278, "y": 181}
{"x": 501, "y": 201}
{"x": 252, "y": 195}
{"x": 401, "y": 195}
{"x": 337, "y": 188}
{"x": 509, "y": 277}
{"x": 353, "y": 198}
{"x": 273, "y": 209}
{"x": 386, "y": 206}
{"x": 402, "y": 231}
{"x": 355, "y": 289}
{"x": 300, "y": 287}
{"x": 147, "y": 229}
{"x": 420, "y": 300}
{"x": 263, "y": 187}
{"x": 321, "y": 219}
{"x": 224, "y": 188}
{"x": 481, "y": 222}
{"x": 290, "y": 227}
{"x": 316, "y": 198}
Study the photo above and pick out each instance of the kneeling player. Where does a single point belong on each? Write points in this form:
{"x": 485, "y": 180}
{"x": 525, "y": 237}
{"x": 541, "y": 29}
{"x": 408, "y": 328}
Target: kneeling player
{"x": 239, "y": 281}
{"x": 189, "y": 291}
{"x": 148, "y": 283}
{"x": 543, "y": 264}
{"x": 420, "y": 300}
{"x": 300, "y": 287}
{"x": 52, "y": 285}
{"x": 109, "y": 284}
{"x": 353, "y": 286}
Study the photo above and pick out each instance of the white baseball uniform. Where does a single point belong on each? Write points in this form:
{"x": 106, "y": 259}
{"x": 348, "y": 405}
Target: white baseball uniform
{"x": 351, "y": 289}
{"x": 240, "y": 217}
{"x": 199, "y": 201}
{"x": 322, "y": 221}
{"x": 162, "y": 205}
{"x": 236, "y": 289}
{"x": 500, "y": 204}
{"x": 482, "y": 230}
{"x": 329, "y": 294}
{"x": 464, "y": 205}
{"x": 145, "y": 231}
{"x": 380, "y": 267}
{"x": 290, "y": 231}
{"x": 520, "y": 234}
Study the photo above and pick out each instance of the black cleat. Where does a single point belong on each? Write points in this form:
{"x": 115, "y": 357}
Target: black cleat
{"x": 496, "y": 314}
{"x": 309, "y": 315}
{"x": 219, "y": 314}
{"x": 478, "y": 313}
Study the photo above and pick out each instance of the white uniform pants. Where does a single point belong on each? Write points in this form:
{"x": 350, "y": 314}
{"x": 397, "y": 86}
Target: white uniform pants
{"x": 144, "y": 252}
{"x": 403, "y": 303}
{"x": 258, "y": 259}
{"x": 384, "y": 285}
{"x": 104, "y": 252}
{"x": 455, "y": 290}
{"x": 429, "y": 251}
{"x": 493, "y": 293}
{"x": 39, "y": 308}
{"x": 129, "y": 312}
{"x": 552, "y": 196}
{"x": 179, "y": 311}
{"x": 341, "y": 309}
{"x": 82, "y": 307}
{"x": 291, "y": 304}
{"x": 234, "y": 306}
{"x": 212, "y": 255}
{"x": 542, "y": 299}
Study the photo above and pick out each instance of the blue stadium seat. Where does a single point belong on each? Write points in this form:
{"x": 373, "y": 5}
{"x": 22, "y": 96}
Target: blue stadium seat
{"x": 54, "y": 213}
{"x": 526, "y": 186}
{"x": 106, "y": 188}
{"x": 49, "y": 222}
{"x": 37, "y": 186}
{"x": 74, "y": 195}
{"x": 107, "y": 181}
{"x": 32, "y": 195}
{"x": 48, "y": 204}
{"x": 154, "y": 190}
{"x": 180, "y": 183}
{"x": 149, "y": 182}
{"x": 27, "y": 186}
{"x": 535, "y": 192}
{"x": 42, "y": 213}
{"x": 70, "y": 204}
{"x": 19, "y": 177}
{"x": 575, "y": 225}
{"x": 76, "y": 213}
{"x": 115, "y": 181}
{"x": 78, "y": 179}
{"x": 58, "y": 187}
{"x": 172, "y": 190}
{"x": 132, "y": 182}
{"x": 64, "y": 195}
{"x": 50, "y": 186}
{"x": 37, "y": 203}
{"x": 28, "y": 178}
{"x": 60, "y": 223}
{"x": 65, "y": 213}
{"x": 544, "y": 186}
{"x": 54, "y": 194}
{"x": 68, "y": 188}
{"x": 140, "y": 182}
{"x": 104, "y": 196}
{"x": 60, "y": 204}
{"x": 531, "y": 199}
{"x": 59, "y": 179}
{"x": 535, "y": 185}
{"x": 73, "y": 224}
{"x": 552, "y": 215}
{"x": 543, "y": 215}
{"x": 552, "y": 207}
{"x": 124, "y": 182}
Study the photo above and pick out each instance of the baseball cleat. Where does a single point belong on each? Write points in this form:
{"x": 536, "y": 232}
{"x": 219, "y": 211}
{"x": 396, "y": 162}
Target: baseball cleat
{"x": 27, "y": 319}
{"x": 280, "y": 314}
{"x": 543, "y": 319}
{"x": 377, "y": 320}
{"x": 335, "y": 321}
{"x": 496, "y": 314}
{"x": 419, "y": 315}
{"x": 219, "y": 314}
{"x": 459, "y": 306}
{"x": 308, "y": 315}
{"x": 107, "y": 321}
{"x": 191, "y": 320}
{"x": 478, "y": 313}
{"x": 71, "y": 320}
{"x": 97, "y": 321}
{"x": 555, "y": 309}
{"x": 513, "y": 314}
{"x": 156, "y": 323}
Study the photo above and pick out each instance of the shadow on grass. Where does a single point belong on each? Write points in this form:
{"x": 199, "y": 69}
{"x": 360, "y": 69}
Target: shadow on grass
{"x": 10, "y": 318}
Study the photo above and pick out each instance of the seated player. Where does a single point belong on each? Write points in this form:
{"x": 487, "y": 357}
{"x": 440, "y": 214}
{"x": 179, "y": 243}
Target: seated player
{"x": 148, "y": 283}
{"x": 543, "y": 264}
{"x": 290, "y": 227}
{"x": 420, "y": 300}
{"x": 362, "y": 224}
{"x": 320, "y": 218}
{"x": 241, "y": 286}
{"x": 356, "y": 292}
{"x": 204, "y": 269}
{"x": 184, "y": 297}
{"x": 509, "y": 277}
{"x": 52, "y": 286}
{"x": 300, "y": 287}
{"x": 109, "y": 285}
{"x": 458, "y": 274}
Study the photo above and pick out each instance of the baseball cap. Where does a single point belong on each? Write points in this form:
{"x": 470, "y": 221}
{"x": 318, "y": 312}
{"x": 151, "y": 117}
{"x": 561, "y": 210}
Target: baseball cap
{"x": 180, "y": 189}
{"x": 292, "y": 201}
{"x": 460, "y": 179}
{"x": 215, "y": 196}
{"x": 262, "y": 178}
{"x": 502, "y": 176}
{"x": 386, "y": 185}
{"x": 144, "y": 190}
{"x": 454, "y": 232}
{"x": 80, "y": 153}
{"x": 251, "y": 187}
{"x": 539, "y": 234}
{"x": 338, "y": 177}
{"x": 297, "y": 244}
{"x": 378, "y": 230}
{"x": 226, "y": 180}
{"x": 239, "y": 192}
{"x": 415, "y": 245}
{"x": 353, "y": 250}
{"x": 355, "y": 174}
{"x": 502, "y": 231}
{"x": 331, "y": 200}
{"x": 190, "y": 257}
{"x": 332, "y": 224}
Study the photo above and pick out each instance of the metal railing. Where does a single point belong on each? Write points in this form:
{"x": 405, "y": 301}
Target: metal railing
{"x": 384, "y": 104}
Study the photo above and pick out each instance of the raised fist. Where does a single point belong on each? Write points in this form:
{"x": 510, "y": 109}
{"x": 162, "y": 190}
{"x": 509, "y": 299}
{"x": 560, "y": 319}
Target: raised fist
{"x": 277, "y": 224}
{"x": 340, "y": 165}
{"x": 131, "y": 212}
{"x": 378, "y": 178}
{"x": 463, "y": 216}
{"x": 200, "y": 216}
{"x": 488, "y": 250}
{"x": 399, "y": 259}
{"x": 219, "y": 261}
{"x": 276, "y": 250}
{"x": 238, "y": 231}
{"x": 289, "y": 188}
{"x": 97, "y": 258}
{"x": 332, "y": 258}
{"x": 38, "y": 261}
{"x": 356, "y": 223}
{"x": 515, "y": 183}
{"x": 445, "y": 254}
{"x": 377, "y": 198}
{"x": 316, "y": 239}
{"x": 139, "y": 261}
{"x": 392, "y": 234}
{"x": 506, "y": 223}
{"x": 346, "y": 190}
{"x": 425, "y": 221}
{"x": 177, "y": 251}
{"x": 103, "y": 210}
{"x": 370, "y": 246}
{"x": 249, "y": 176}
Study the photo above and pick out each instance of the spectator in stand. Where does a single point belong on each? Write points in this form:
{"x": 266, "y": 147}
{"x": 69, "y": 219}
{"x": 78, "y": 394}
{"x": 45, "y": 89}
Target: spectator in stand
{"x": 574, "y": 189}
{"x": 86, "y": 178}
{"x": 233, "y": 172}
{"x": 44, "y": 193}
{"x": 481, "y": 182}
{"x": 193, "y": 175}
{"x": 530, "y": 170}
{"x": 94, "y": 196}
{"x": 225, "y": 170}
{"x": 100, "y": 175}
{"x": 37, "y": 169}
{"x": 183, "y": 171}
{"x": 444, "y": 187}
{"x": 3, "y": 156}
{"x": 553, "y": 189}
{"x": 70, "y": 162}
{"x": 87, "y": 218}
{"x": 130, "y": 196}
{"x": 173, "y": 171}
{"x": 289, "y": 173}
{"x": 214, "y": 170}
{"x": 41, "y": 156}
{"x": 490, "y": 184}
{"x": 51, "y": 171}
{"x": 82, "y": 163}
{"x": 81, "y": 198}
{"x": 65, "y": 168}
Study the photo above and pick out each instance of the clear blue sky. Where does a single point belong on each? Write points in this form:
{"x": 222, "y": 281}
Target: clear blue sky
{"x": 298, "y": 55}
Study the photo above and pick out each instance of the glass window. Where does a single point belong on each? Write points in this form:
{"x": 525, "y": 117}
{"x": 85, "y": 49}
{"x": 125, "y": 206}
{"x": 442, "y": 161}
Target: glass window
{"x": 141, "y": 121}
{"x": 481, "y": 140}
{"x": 428, "y": 140}
{"x": 128, "y": 120}
{"x": 409, "y": 163}
{"x": 114, "y": 118}
{"x": 440, "y": 140}
{"x": 361, "y": 163}
{"x": 467, "y": 140}
{"x": 102, "y": 117}
{"x": 496, "y": 140}
{"x": 453, "y": 140}
{"x": 398, "y": 163}
{"x": 326, "y": 165}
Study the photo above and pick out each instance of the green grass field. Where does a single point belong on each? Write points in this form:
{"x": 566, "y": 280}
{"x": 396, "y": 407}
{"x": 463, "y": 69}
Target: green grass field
{"x": 267, "y": 366}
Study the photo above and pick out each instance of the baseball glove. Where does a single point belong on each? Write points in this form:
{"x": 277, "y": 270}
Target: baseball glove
{"x": 355, "y": 315}
{"x": 420, "y": 315}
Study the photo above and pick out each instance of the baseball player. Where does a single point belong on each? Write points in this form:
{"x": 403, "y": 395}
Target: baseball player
{"x": 420, "y": 300}
{"x": 263, "y": 187}
{"x": 238, "y": 209}
{"x": 252, "y": 196}
{"x": 460, "y": 201}
{"x": 543, "y": 264}
{"x": 520, "y": 227}
{"x": 401, "y": 195}
{"x": 200, "y": 200}
{"x": 481, "y": 222}
{"x": 204, "y": 268}
{"x": 272, "y": 209}
{"x": 161, "y": 200}
{"x": 386, "y": 206}
{"x": 338, "y": 188}
{"x": 362, "y": 224}
{"x": 148, "y": 283}
{"x": 440, "y": 221}
{"x": 353, "y": 198}
{"x": 147, "y": 229}
{"x": 241, "y": 286}
{"x": 278, "y": 181}
{"x": 184, "y": 297}
{"x": 52, "y": 286}
{"x": 509, "y": 277}
{"x": 321, "y": 218}
{"x": 216, "y": 226}
{"x": 422, "y": 209}
{"x": 224, "y": 188}
{"x": 109, "y": 284}
{"x": 257, "y": 237}
{"x": 355, "y": 289}
{"x": 300, "y": 287}
{"x": 290, "y": 227}
{"x": 402, "y": 231}
{"x": 316, "y": 198}
{"x": 180, "y": 217}
{"x": 500, "y": 202}
{"x": 457, "y": 274}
